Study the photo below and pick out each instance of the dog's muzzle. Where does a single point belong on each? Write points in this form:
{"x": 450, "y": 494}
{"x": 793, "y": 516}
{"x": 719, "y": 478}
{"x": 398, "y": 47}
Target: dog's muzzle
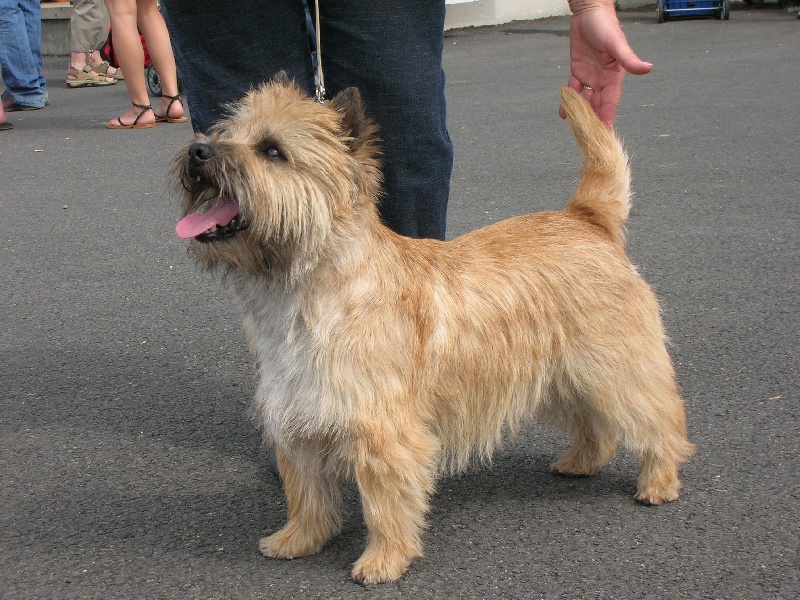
{"x": 222, "y": 220}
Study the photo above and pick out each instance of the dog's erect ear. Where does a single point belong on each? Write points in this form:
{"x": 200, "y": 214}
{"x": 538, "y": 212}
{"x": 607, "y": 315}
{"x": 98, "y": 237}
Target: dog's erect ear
{"x": 282, "y": 77}
{"x": 355, "y": 122}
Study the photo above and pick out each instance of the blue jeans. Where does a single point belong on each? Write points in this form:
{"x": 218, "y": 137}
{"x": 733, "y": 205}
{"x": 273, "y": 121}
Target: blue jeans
{"x": 21, "y": 51}
{"x": 390, "y": 49}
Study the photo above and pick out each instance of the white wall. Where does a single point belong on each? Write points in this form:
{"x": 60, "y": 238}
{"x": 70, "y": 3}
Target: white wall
{"x": 465, "y": 13}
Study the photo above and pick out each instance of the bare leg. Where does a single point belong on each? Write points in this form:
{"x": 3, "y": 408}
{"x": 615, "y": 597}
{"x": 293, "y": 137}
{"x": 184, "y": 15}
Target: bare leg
{"x": 158, "y": 45}
{"x": 130, "y": 56}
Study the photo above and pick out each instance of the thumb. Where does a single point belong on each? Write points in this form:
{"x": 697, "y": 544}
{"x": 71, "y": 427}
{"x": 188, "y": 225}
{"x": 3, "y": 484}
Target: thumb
{"x": 627, "y": 58}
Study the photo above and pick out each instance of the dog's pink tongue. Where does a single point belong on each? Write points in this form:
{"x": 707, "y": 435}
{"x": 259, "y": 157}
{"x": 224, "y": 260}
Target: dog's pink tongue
{"x": 194, "y": 224}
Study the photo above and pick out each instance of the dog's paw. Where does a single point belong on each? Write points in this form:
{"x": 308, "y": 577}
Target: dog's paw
{"x": 583, "y": 460}
{"x": 655, "y": 497}
{"x": 373, "y": 567}
{"x": 563, "y": 471}
{"x": 571, "y": 466}
{"x": 289, "y": 543}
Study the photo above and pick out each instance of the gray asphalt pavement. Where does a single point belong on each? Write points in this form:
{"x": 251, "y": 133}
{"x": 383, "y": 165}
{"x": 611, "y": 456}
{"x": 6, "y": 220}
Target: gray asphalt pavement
{"x": 128, "y": 467}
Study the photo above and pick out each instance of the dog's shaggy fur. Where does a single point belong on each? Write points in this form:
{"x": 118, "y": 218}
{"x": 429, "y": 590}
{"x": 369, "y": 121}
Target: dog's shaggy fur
{"x": 390, "y": 360}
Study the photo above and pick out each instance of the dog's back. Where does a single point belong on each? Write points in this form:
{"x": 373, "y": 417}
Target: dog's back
{"x": 557, "y": 288}
{"x": 603, "y": 192}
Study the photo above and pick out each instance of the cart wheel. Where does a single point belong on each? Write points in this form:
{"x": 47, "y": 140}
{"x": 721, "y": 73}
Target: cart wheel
{"x": 661, "y": 11}
{"x": 153, "y": 81}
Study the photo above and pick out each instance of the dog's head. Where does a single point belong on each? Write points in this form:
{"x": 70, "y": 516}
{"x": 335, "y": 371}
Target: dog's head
{"x": 270, "y": 185}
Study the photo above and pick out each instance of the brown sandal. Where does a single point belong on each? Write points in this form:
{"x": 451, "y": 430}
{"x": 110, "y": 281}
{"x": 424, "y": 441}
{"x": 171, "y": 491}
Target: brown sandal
{"x": 78, "y": 78}
{"x": 103, "y": 68}
{"x": 166, "y": 118}
{"x": 135, "y": 124}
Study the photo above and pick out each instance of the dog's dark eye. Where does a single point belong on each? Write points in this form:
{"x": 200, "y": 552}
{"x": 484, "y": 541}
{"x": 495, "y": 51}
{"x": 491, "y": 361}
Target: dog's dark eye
{"x": 271, "y": 151}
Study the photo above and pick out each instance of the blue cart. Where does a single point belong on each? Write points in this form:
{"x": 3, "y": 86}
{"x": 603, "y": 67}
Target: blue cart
{"x": 671, "y": 9}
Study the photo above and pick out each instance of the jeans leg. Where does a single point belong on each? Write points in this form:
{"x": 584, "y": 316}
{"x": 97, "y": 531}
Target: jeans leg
{"x": 392, "y": 51}
{"x": 32, "y": 9}
{"x": 227, "y": 47}
{"x": 20, "y": 51}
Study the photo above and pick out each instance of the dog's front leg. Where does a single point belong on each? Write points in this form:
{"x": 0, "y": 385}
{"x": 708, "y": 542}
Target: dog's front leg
{"x": 313, "y": 499}
{"x": 395, "y": 475}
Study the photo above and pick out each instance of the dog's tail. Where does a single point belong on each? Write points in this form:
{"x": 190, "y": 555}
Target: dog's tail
{"x": 603, "y": 193}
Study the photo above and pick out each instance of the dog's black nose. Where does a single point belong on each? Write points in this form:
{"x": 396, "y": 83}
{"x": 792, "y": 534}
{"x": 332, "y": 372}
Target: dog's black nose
{"x": 199, "y": 155}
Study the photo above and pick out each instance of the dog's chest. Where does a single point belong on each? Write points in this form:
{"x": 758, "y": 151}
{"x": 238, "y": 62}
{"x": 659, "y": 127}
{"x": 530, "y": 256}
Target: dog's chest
{"x": 291, "y": 399}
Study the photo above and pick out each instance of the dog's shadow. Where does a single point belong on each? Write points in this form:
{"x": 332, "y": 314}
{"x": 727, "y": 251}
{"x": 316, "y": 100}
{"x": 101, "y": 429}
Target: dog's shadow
{"x": 517, "y": 490}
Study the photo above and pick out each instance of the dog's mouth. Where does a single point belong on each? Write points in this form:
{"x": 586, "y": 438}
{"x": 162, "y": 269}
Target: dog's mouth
{"x": 220, "y": 222}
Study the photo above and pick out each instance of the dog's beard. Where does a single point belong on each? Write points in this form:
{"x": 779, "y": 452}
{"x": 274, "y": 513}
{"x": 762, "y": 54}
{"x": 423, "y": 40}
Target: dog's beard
{"x": 222, "y": 236}
{"x": 237, "y": 220}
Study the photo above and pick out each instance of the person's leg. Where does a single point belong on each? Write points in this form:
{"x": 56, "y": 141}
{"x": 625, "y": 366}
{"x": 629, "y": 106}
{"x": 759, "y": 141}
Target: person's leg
{"x": 97, "y": 26}
{"x": 130, "y": 55}
{"x": 93, "y": 32}
{"x": 88, "y": 30}
{"x": 20, "y": 70}
{"x": 85, "y": 21}
{"x": 5, "y": 125}
{"x": 231, "y": 46}
{"x": 32, "y": 10}
{"x": 392, "y": 51}
{"x": 152, "y": 25}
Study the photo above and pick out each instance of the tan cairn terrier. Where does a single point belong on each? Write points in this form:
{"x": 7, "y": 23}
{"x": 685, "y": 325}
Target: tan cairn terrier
{"x": 388, "y": 360}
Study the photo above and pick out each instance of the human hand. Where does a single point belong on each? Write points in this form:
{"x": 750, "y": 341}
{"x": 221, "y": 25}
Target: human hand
{"x": 599, "y": 57}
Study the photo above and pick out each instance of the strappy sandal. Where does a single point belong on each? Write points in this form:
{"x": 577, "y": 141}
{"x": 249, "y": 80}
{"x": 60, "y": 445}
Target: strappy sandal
{"x": 135, "y": 124}
{"x": 166, "y": 118}
{"x": 103, "y": 68}
{"x": 86, "y": 78}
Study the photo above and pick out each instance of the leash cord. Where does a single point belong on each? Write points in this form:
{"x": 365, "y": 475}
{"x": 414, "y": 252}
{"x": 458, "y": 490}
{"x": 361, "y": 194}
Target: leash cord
{"x": 320, "y": 76}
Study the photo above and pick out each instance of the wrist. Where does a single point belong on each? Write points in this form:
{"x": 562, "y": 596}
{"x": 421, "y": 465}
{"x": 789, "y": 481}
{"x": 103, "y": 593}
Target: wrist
{"x": 581, "y": 6}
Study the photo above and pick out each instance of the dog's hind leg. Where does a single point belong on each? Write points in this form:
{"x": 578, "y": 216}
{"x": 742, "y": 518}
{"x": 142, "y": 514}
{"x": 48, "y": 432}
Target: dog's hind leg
{"x": 572, "y": 409}
{"x": 650, "y": 415}
{"x": 394, "y": 469}
{"x": 644, "y": 411}
{"x": 591, "y": 449}
{"x": 629, "y": 397}
{"x": 662, "y": 447}
{"x": 313, "y": 498}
